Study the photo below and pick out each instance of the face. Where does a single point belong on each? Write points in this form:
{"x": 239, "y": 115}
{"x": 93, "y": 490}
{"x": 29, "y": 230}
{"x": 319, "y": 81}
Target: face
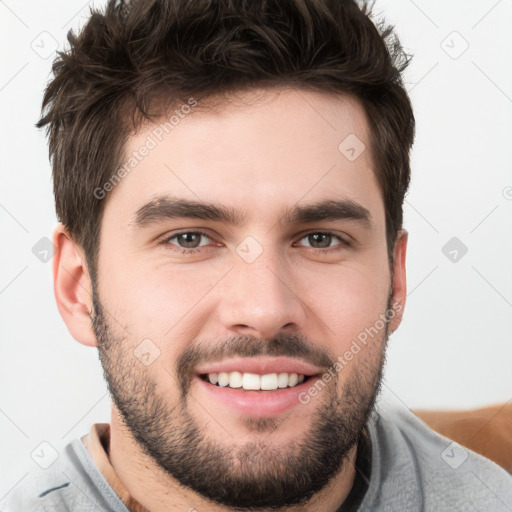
{"x": 241, "y": 262}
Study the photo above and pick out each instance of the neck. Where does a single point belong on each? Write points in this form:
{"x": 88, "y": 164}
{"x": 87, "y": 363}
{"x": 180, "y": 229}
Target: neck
{"x": 156, "y": 491}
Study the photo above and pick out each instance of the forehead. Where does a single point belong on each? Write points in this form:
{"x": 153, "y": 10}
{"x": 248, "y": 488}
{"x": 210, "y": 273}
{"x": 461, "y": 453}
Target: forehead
{"x": 259, "y": 152}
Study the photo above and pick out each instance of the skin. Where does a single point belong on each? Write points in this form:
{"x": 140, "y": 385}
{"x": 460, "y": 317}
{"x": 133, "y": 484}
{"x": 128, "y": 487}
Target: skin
{"x": 263, "y": 154}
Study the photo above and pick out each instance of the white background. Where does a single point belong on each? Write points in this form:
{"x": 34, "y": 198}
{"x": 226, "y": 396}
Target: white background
{"x": 454, "y": 347}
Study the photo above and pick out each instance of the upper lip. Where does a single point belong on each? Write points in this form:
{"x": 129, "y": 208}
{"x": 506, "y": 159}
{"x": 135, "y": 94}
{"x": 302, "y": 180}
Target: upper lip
{"x": 261, "y": 365}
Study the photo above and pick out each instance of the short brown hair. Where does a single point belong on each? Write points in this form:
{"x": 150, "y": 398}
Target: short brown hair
{"x": 134, "y": 60}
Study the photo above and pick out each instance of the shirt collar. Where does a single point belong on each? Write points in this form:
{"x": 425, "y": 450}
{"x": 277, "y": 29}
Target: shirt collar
{"x": 97, "y": 443}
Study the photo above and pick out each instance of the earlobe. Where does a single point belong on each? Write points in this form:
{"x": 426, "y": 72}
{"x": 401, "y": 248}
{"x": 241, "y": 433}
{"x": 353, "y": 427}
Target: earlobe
{"x": 72, "y": 287}
{"x": 399, "y": 284}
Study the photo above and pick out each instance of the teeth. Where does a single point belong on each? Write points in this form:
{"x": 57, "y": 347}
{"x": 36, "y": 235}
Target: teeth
{"x": 253, "y": 381}
{"x": 282, "y": 380}
{"x": 235, "y": 380}
{"x": 223, "y": 379}
{"x": 269, "y": 381}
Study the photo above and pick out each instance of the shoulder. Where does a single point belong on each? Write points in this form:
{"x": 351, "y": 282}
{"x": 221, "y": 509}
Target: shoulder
{"x": 72, "y": 482}
{"x": 40, "y": 488}
{"x": 486, "y": 430}
{"x": 426, "y": 471}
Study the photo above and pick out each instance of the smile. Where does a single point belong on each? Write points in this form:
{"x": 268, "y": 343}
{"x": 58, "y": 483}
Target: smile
{"x": 253, "y": 381}
{"x": 261, "y": 386}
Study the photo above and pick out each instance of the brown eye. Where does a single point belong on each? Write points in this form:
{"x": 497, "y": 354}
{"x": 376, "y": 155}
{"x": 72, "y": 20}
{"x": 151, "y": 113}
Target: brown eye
{"x": 323, "y": 242}
{"x": 320, "y": 240}
{"x": 189, "y": 240}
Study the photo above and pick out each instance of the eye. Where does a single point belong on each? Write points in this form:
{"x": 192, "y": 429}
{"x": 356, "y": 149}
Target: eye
{"x": 187, "y": 241}
{"x": 321, "y": 240}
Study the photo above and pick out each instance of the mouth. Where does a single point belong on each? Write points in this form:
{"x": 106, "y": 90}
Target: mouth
{"x": 256, "y": 387}
{"x": 245, "y": 381}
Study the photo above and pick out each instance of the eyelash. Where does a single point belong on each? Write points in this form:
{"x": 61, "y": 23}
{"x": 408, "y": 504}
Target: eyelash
{"x": 344, "y": 244}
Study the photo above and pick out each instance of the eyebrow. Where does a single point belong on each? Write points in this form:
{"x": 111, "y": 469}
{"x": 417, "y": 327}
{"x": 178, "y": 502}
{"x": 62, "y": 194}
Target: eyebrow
{"x": 165, "y": 208}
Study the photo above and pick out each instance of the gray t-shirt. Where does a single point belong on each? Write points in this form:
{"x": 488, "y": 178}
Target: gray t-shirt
{"x": 412, "y": 469}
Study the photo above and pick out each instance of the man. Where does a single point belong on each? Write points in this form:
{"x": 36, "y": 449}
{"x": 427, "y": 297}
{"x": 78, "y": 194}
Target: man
{"x": 229, "y": 177}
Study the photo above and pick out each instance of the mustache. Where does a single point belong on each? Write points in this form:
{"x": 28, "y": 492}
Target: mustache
{"x": 289, "y": 345}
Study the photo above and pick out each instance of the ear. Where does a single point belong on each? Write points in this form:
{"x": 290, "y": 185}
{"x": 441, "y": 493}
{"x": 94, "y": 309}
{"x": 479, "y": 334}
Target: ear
{"x": 72, "y": 286}
{"x": 399, "y": 284}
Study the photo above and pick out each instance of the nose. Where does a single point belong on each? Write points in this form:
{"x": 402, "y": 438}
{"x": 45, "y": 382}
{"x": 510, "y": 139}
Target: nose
{"x": 260, "y": 298}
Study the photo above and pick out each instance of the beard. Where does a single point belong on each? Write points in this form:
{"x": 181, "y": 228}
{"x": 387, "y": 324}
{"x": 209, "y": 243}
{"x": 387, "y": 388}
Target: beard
{"x": 259, "y": 474}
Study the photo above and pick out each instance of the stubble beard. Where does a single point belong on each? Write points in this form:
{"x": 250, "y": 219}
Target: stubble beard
{"x": 259, "y": 475}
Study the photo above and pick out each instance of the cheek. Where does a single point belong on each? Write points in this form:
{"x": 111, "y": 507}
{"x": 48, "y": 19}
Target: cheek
{"x": 159, "y": 300}
{"x": 347, "y": 301}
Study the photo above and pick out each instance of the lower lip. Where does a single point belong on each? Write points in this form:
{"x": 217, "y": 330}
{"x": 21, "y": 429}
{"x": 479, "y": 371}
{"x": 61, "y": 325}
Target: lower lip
{"x": 261, "y": 404}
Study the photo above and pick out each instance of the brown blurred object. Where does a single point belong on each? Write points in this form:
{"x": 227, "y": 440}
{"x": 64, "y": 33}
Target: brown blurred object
{"x": 487, "y": 431}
